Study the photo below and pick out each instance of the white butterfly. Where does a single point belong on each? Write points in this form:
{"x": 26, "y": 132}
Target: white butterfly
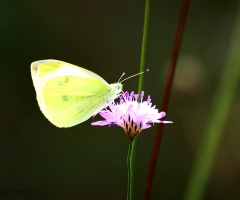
{"x": 67, "y": 94}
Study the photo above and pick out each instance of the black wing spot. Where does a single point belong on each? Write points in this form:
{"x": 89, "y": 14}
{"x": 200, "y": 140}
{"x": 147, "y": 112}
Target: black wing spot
{"x": 66, "y": 80}
{"x": 65, "y": 98}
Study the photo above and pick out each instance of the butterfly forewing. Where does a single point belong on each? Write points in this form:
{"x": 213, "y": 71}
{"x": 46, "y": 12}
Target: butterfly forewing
{"x": 55, "y": 68}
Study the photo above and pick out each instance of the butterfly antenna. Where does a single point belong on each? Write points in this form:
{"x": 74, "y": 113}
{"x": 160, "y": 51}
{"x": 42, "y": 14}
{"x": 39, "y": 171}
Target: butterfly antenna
{"x": 134, "y": 75}
{"x": 121, "y": 77}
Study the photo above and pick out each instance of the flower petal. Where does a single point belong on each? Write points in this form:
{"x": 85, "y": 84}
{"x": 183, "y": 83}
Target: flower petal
{"x": 131, "y": 115}
{"x": 166, "y": 122}
{"x": 100, "y": 123}
{"x": 162, "y": 114}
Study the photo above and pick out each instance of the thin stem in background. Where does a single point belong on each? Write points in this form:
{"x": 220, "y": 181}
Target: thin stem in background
{"x": 217, "y": 118}
{"x": 130, "y": 162}
{"x": 140, "y": 86}
{"x": 144, "y": 44}
{"x": 168, "y": 85}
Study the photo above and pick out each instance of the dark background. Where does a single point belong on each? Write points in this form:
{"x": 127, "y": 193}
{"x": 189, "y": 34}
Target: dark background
{"x": 87, "y": 162}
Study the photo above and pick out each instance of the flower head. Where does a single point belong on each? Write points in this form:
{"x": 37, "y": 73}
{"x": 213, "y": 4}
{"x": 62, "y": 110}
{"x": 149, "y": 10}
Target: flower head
{"x": 131, "y": 115}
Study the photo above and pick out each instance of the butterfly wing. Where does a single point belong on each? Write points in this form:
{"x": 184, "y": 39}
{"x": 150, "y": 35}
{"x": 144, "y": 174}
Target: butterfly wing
{"x": 67, "y": 100}
{"x": 67, "y": 94}
{"x": 44, "y": 70}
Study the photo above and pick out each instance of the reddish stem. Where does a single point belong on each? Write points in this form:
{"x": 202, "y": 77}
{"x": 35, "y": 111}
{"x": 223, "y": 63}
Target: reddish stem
{"x": 168, "y": 85}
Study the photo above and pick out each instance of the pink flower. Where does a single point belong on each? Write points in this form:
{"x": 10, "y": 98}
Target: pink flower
{"x": 131, "y": 115}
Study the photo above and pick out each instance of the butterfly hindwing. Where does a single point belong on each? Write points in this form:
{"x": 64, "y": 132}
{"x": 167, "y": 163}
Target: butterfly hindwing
{"x": 67, "y": 101}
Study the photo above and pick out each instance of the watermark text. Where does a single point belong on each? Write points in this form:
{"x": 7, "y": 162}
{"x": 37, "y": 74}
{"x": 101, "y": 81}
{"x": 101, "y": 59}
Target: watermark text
{"x": 17, "y": 192}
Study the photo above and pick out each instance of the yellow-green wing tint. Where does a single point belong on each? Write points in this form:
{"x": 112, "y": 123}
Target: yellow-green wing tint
{"x": 70, "y": 100}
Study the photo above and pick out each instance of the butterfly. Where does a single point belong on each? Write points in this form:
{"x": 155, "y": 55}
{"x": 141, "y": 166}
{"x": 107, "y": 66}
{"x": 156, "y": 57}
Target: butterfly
{"x": 67, "y": 94}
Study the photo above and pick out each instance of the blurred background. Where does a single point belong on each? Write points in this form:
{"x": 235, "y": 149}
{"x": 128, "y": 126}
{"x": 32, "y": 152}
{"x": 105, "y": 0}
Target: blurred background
{"x": 87, "y": 162}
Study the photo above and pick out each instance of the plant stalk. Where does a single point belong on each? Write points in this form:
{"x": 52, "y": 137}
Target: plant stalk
{"x": 132, "y": 145}
{"x": 130, "y": 162}
{"x": 168, "y": 85}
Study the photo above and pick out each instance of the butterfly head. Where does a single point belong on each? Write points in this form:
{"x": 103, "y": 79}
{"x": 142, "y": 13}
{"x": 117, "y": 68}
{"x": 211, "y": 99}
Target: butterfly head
{"x": 116, "y": 89}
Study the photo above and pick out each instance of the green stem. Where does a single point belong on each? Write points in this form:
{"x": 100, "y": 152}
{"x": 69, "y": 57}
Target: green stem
{"x": 144, "y": 44}
{"x": 130, "y": 163}
{"x": 132, "y": 145}
{"x": 217, "y": 118}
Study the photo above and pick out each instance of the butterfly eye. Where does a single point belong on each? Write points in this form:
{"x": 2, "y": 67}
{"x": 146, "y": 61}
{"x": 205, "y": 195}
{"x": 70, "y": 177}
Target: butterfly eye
{"x": 118, "y": 87}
